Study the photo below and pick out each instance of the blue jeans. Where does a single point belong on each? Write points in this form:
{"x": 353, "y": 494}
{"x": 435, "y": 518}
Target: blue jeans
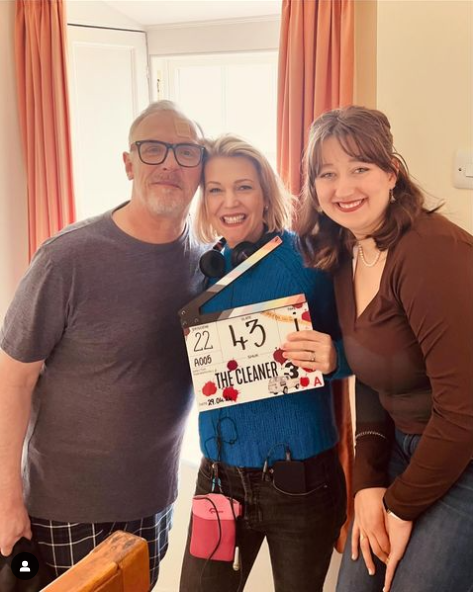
{"x": 439, "y": 556}
{"x": 301, "y": 529}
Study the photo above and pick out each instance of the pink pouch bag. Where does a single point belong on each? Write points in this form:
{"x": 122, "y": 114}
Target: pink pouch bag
{"x": 208, "y": 511}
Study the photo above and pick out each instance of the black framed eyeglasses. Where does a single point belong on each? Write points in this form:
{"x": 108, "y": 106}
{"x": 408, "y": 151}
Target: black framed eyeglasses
{"x": 155, "y": 152}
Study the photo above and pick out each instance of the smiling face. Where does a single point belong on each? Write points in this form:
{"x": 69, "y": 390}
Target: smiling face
{"x": 164, "y": 189}
{"x": 234, "y": 198}
{"x": 353, "y": 193}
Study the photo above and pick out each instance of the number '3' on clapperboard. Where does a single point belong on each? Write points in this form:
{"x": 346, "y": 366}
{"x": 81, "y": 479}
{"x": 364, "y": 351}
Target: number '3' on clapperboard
{"x": 235, "y": 355}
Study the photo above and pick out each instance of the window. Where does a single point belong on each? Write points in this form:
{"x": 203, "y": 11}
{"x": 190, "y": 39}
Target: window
{"x": 234, "y": 93}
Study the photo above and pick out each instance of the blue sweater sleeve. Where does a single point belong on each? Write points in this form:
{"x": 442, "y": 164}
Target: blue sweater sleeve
{"x": 319, "y": 291}
{"x": 343, "y": 369}
{"x": 323, "y": 309}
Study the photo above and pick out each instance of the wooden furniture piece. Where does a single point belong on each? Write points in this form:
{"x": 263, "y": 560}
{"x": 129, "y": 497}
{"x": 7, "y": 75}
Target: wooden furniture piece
{"x": 119, "y": 564}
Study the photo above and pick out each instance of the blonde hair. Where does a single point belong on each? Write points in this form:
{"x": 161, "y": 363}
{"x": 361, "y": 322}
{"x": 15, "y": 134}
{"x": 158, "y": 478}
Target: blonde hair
{"x": 278, "y": 202}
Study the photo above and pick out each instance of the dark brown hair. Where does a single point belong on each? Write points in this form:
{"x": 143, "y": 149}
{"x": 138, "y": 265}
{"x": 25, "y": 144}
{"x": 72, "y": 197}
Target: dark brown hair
{"x": 364, "y": 134}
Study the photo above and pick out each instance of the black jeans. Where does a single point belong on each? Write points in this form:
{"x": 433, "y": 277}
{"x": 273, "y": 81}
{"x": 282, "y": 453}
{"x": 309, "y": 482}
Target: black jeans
{"x": 301, "y": 529}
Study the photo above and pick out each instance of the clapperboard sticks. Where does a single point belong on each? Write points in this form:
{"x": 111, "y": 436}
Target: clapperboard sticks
{"x": 190, "y": 314}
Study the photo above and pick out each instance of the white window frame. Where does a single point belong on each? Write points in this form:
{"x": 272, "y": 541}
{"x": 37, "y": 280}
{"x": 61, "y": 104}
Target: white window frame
{"x": 164, "y": 68}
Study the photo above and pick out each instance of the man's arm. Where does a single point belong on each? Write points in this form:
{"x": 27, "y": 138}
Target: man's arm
{"x": 17, "y": 381}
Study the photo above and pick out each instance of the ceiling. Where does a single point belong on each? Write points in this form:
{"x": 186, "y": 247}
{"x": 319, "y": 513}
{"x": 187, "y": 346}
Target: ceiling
{"x": 159, "y": 12}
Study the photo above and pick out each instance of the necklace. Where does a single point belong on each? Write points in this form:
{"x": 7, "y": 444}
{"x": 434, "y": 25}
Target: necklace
{"x": 362, "y": 257}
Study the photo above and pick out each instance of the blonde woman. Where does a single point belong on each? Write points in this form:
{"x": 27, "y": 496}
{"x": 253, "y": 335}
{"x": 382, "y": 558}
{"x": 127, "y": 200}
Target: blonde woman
{"x": 242, "y": 201}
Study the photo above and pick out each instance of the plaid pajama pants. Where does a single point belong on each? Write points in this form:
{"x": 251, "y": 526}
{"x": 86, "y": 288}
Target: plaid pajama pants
{"x": 63, "y": 544}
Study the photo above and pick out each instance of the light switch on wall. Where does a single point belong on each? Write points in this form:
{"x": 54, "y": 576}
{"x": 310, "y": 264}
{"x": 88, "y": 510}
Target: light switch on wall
{"x": 463, "y": 169}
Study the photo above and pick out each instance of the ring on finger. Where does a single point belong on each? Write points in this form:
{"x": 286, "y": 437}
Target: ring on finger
{"x": 313, "y": 359}
{"x": 362, "y": 537}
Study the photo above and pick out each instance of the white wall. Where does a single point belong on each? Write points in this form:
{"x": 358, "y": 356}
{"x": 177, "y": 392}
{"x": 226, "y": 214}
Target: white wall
{"x": 98, "y": 14}
{"x": 425, "y": 86}
{"x": 217, "y": 36}
{"x": 13, "y": 204}
{"x": 108, "y": 86}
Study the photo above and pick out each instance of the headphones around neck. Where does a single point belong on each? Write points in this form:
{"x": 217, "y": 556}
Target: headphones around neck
{"x": 212, "y": 263}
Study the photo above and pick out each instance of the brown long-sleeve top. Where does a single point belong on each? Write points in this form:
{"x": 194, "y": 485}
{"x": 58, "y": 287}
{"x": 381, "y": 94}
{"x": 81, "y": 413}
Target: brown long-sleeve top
{"x": 411, "y": 350}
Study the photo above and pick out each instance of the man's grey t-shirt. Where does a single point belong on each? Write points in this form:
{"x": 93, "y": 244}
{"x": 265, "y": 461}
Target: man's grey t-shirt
{"x": 110, "y": 406}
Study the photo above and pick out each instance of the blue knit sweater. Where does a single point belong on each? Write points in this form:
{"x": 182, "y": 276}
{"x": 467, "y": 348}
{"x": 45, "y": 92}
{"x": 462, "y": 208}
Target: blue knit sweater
{"x": 250, "y": 433}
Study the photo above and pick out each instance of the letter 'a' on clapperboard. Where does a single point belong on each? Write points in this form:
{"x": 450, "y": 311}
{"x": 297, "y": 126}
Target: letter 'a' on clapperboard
{"x": 235, "y": 355}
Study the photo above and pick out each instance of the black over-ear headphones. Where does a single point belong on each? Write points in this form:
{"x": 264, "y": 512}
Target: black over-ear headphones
{"x": 212, "y": 263}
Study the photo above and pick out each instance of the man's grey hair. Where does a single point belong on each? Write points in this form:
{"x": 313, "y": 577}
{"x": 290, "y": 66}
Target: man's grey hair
{"x": 159, "y": 106}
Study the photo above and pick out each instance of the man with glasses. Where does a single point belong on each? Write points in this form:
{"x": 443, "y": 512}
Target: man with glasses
{"x": 93, "y": 347}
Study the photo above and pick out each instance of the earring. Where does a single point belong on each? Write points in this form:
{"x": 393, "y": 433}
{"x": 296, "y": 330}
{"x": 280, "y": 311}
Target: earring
{"x": 392, "y": 199}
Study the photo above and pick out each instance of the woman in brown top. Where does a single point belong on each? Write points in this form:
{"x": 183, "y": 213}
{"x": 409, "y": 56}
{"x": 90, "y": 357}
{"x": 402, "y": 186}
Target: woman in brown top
{"x": 404, "y": 287}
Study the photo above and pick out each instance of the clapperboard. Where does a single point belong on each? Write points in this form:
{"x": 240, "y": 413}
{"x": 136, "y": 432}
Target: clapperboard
{"x": 235, "y": 355}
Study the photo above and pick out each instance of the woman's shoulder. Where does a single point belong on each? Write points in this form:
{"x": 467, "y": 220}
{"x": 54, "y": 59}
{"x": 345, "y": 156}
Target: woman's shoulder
{"x": 432, "y": 227}
{"x": 289, "y": 237}
{"x": 433, "y": 245}
{"x": 290, "y": 262}
{"x": 289, "y": 249}
{"x": 291, "y": 246}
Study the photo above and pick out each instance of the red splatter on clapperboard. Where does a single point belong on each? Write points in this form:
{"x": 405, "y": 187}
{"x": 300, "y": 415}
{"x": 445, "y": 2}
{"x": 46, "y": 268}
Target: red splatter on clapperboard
{"x": 230, "y": 393}
{"x": 209, "y": 389}
{"x": 232, "y": 365}
{"x": 278, "y": 357}
{"x": 306, "y": 316}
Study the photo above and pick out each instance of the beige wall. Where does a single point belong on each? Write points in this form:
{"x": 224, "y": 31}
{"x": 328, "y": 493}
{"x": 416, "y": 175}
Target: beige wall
{"x": 13, "y": 209}
{"x": 424, "y": 84}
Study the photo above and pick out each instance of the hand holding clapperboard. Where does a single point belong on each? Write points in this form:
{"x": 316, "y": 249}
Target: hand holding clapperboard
{"x": 234, "y": 355}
